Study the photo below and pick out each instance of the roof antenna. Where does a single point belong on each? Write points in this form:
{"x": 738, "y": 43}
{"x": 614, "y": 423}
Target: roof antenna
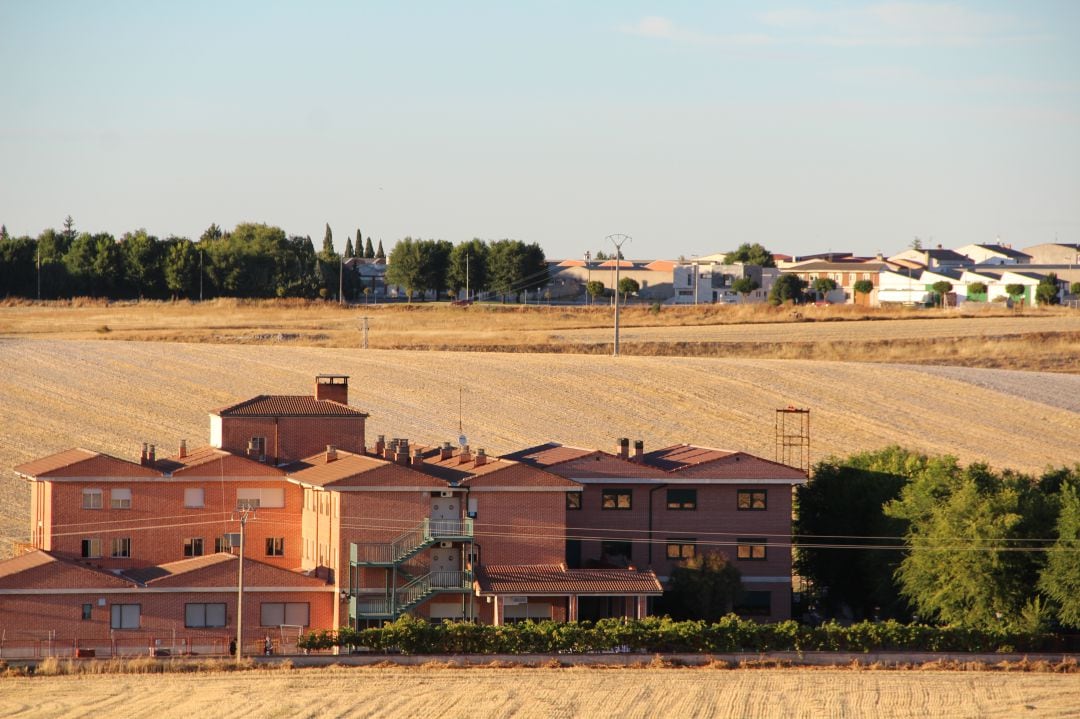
{"x": 462, "y": 440}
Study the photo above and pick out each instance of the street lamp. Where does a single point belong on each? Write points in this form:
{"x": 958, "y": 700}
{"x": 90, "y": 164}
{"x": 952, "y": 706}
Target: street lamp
{"x": 618, "y": 240}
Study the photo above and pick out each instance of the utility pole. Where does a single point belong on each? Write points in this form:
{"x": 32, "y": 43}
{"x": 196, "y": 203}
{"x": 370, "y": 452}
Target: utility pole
{"x": 341, "y": 281}
{"x": 200, "y": 274}
{"x": 240, "y": 589}
{"x": 39, "y": 269}
{"x": 466, "y": 276}
{"x": 618, "y": 241}
{"x": 588, "y": 276}
{"x": 365, "y": 331}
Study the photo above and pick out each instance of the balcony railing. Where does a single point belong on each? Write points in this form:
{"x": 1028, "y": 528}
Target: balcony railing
{"x": 408, "y": 544}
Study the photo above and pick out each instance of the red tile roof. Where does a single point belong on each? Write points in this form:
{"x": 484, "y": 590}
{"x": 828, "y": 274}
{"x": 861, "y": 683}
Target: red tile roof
{"x": 682, "y": 455}
{"x": 38, "y": 569}
{"x": 218, "y": 570}
{"x": 689, "y": 460}
{"x": 288, "y": 406}
{"x": 556, "y": 579}
{"x": 80, "y": 462}
{"x": 317, "y": 471}
{"x": 213, "y": 462}
{"x": 546, "y": 455}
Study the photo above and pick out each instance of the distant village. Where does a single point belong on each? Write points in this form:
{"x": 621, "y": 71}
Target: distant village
{"x": 973, "y": 273}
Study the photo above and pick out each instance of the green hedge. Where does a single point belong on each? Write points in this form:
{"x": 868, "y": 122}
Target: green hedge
{"x": 661, "y": 634}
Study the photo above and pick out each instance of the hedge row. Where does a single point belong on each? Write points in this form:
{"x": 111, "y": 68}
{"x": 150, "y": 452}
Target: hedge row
{"x": 661, "y": 634}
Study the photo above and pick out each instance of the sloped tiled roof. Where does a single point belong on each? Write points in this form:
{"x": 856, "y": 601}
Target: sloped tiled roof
{"x": 149, "y": 575}
{"x": 44, "y": 570}
{"x": 266, "y": 405}
{"x": 682, "y": 455}
{"x": 317, "y": 471}
{"x": 548, "y": 579}
{"x": 548, "y": 454}
{"x": 721, "y": 464}
{"x": 219, "y": 570}
{"x": 80, "y": 462}
{"x": 1006, "y": 251}
{"x": 212, "y": 462}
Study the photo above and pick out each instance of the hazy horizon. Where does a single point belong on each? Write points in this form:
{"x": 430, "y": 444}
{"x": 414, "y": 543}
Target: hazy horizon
{"x": 834, "y": 126}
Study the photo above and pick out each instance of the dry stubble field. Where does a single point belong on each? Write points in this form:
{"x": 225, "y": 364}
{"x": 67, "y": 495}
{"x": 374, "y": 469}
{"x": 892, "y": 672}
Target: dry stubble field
{"x": 449, "y": 693}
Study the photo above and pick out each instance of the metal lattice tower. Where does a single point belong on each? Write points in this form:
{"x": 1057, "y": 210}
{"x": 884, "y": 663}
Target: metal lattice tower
{"x": 793, "y": 438}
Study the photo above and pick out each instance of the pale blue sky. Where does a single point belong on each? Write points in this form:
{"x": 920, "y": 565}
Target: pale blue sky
{"x": 690, "y": 126}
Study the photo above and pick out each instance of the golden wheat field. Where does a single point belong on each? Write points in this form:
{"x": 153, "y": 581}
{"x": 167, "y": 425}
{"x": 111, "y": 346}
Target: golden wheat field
{"x": 449, "y": 693}
{"x": 113, "y": 396}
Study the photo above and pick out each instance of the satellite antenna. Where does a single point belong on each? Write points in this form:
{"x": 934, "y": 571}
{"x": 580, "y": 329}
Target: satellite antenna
{"x": 462, "y": 440}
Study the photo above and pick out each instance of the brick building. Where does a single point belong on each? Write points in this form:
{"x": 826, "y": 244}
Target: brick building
{"x": 336, "y": 531}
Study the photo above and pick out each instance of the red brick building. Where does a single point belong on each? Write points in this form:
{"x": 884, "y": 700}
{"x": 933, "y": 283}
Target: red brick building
{"x": 338, "y": 532}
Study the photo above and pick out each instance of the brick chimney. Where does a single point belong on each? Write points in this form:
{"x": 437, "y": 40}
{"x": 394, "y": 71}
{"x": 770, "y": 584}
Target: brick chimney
{"x": 151, "y": 455}
{"x": 639, "y": 450}
{"x": 446, "y": 451}
{"x": 623, "y": 448}
{"x": 391, "y": 449}
{"x": 465, "y": 455}
{"x": 331, "y": 453}
{"x": 333, "y": 387}
{"x": 481, "y": 457}
{"x": 401, "y": 456}
{"x": 418, "y": 457}
{"x": 183, "y": 449}
{"x": 380, "y": 445}
{"x": 142, "y": 457}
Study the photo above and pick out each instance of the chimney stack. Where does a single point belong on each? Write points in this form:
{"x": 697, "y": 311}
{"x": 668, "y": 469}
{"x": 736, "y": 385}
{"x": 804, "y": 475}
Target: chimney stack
{"x": 446, "y": 451}
{"x": 465, "y": 455}
{"x": 334, "y": 387}
{"x": 418, "y": 457}
{"x": 151, "y": 456}
{"x": 639, "y": 450}
{"x": 142, "y": 457}
{"x": 183, "y": 449}
{"x": 331, "y": 453}
{"x": 481, "y": 457}
{"x": 623, "y": 448}
{"x": 402, "y": 454}
{"x": 391, "y": 449}
{"x": 380, "y": 445}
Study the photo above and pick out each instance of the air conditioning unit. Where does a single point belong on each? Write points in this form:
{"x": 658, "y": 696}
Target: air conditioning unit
{"x": 446, "y": 493}
{"x": 445, "y": 545}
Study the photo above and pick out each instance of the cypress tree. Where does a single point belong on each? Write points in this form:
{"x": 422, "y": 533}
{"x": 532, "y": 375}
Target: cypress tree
{"x": 348, "y": 248}
{"x": 380, "y": 255}
{"x": 369, "y": 251}
{"x": 328, "y": 241}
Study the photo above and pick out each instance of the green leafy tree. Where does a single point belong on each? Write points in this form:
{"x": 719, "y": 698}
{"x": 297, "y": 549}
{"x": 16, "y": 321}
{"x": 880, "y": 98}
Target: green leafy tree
{"x": 823, "y": 286}
{"x": 1015, "y": 291}
{"x": 941, "y": 288}
{"x": 515, "y": 267}
{"x": 328, "y": 243}
{"x": 1074, "y": 288}
{"x": 369, "y": 252}
{"x": 703, "y": 587}
{"x": 1047, "y": 291}
{"x": 3, "y": 233}
{"x": 379, "y": 254}
{"x": 69, "y": 229}
{"x": 213, "y": 232}
{"x": 181, "y": 268}
{"x": 628, "y": 286}
{"x": 863, "y": 287}
{"x": 468, "y": 258}
{"x": 595, "y": 288}
{"x": 787, "y": 288}
{"x": 977, "y": 289}
{"x": 600, "y": 256}
{"x": 143, "y": 263}
{"x": 1060, "y": 579}
{"x": 750, "y": 254}
{"x": 18, "y": 262}
{"x": 405, "y": 267}
{"x": 744, "y": 286}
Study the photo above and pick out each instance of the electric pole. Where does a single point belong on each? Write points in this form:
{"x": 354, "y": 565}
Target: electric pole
{"x": 618, "y": 241}
{"x": 240, "y": 589}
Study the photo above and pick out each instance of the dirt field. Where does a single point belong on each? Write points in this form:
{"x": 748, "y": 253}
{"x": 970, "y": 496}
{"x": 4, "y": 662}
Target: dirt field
{"x": 448, "y": 693}
{"x": 112, "y": 396}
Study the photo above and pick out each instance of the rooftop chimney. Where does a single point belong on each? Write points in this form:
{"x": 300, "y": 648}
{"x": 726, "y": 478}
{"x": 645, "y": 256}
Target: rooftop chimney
{"x": 390, "y": 450}
{"x": 401, "y": 456}
{"x": 331, "y": 453}
{"x": 333, "y": 387}
{"x": 623, "y": 448}
{"x": 183, "y": 449}
{"x": 380, "y": 445}
{"x": 142, "y": 457}
{"x": 465, "y": 455}
{"x": 446, "y": 451}
{"x": 481, "y": 457}
{"x": 417, "y": 457}
{"x": 639, "y": 450}
{"x": 151, "y": 455}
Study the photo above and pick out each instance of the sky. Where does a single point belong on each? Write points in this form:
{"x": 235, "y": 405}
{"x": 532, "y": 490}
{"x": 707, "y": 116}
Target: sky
{"x": 690, "y": 126}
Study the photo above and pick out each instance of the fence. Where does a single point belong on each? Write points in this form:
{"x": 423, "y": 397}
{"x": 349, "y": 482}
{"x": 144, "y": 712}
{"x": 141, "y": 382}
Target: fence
{"x": 190, "y": 645}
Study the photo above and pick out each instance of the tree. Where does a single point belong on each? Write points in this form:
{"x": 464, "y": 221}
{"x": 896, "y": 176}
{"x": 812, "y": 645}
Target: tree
{"x": 18, "y": 260}
{"x": 744, "y": 286}
{"x": 963, "y": 528}
{"x": 977, "y": 289}
{"x": 514, "y": 267}
{"x": 468, "y": 261}
{"x": 750, "y": 254}
{"x": 328, "y": 242}
{"x": 348, "y": 248}
{"x": 941, "y": 288}
{"x": 704, "y": 587}
{"x": 1047, "y": 291}
{"x": 1060, "y": 579}
{"x": 358, "y": 248}
{"x": 406, "y": 266}
{"x": 595, "y": 288}
{"x": 1015, "y": 291}
{"x": 823, "y": 286}
{"x": 787, "y": 287}
{"x": 843, "y": 504}
{"x": 3, "y": 233}
{"x": 69, "y": 229}
{"x": 600, "y": 256}
{"x": 213, "y": 232}
{"x": 142, "y": 263}
{"x": 379, "y": 254}
{"x": 916, "y": 244}
{"x": 369, "y": 253}
{"x": 1074, "y": 288}
{"x": 181, "y": 268}
{"x": 863, "y": 287}
{"x": 628, "y": 286}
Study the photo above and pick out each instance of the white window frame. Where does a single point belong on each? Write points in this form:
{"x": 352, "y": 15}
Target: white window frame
{"x": 120, "y": 548}
{"x": 201, "y": 615}
{"x": 94, "y": 542}
{"x": 120, "y": 498}
{"x": 88, "y": 499}
{"x": 256, "y": 497}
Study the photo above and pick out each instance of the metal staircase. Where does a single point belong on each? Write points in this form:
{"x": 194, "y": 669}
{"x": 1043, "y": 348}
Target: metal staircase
{"x": 391, "y": 556}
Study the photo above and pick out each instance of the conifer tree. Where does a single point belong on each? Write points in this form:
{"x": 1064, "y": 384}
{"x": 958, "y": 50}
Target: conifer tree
{"x": 369, "y": 251}
{"x": 379, "y": 254}
{"x": 328, "y": 242}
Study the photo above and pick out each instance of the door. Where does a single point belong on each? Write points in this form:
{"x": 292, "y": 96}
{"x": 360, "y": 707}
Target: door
{"x": 445, "y": 516}
{"x": 445, "y": 566}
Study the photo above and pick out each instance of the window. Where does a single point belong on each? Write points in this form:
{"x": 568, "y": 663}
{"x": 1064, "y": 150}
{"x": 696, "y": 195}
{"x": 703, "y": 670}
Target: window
{"x": 682, "y": 499}
{"x": 91, "y": 499}
{"x": 754, "y": 603}
{"x": 222, "y": 544}
{"x": 274, "y": 614}
{"x": 752, "y": 499}
{"x": 573, "y": 500}
{"x": 257, "y": 446}
{"x": 204, "y": 615}
{"x": 616, "y": 499}
{"x": 91, "y": 548}
{"x": 612, "y": 550}
{"x": 193, "y": 547}
{"x": 751, "y": 548}
{"x": 681, "y": 548}
{"x": 275, "y": 547}
{"x": 125, "y": 616}
{"x": 87, "y": 611}
{"x": 120, "y": 499}
{"x": 253, "y": 498}
{"x": 194, "y": 497}
{"x": 121, "y": 547}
